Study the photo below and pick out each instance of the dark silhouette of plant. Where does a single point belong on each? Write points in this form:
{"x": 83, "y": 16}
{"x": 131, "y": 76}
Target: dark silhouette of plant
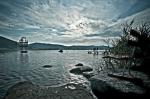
{"x": 120, "y": 46}
{"x": 142, "y": 42}
{"x": 134, "y": 42}
{"x": 107, "y": 41}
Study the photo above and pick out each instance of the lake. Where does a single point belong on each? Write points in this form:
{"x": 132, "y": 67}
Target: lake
{"x": 16, "y": 67}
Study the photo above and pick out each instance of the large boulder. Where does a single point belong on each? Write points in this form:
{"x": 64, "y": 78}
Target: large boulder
{"x": 105, "y": 87}
{"x": 27, "y": 90}
{"x": 86, "y": 69}
{"x": 76, "y": 71}
{"x": 103, "y": 90}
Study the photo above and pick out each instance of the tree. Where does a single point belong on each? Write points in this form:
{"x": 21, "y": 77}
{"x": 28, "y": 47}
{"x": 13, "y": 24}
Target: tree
{"x": 120, "y": 46}
{"x": 137, "y": 38}
{"x": 107, "y": 41}
{"x": 142, "y": 42}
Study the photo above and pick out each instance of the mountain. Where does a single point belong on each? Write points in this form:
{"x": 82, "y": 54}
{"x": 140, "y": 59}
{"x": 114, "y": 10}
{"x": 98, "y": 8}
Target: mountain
{"x": 7, "y": 43}
{"x": 86, "y": 47}
{"x": 43, "y": 46}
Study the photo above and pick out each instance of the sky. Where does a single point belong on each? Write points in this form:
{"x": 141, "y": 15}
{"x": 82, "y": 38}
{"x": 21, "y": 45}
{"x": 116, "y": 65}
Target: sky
{"x": 68, "y": 22}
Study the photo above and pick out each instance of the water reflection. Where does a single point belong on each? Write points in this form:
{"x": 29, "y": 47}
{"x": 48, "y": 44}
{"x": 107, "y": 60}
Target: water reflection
{"x": 24, "y": 58}
{"x": 16, "y": 66}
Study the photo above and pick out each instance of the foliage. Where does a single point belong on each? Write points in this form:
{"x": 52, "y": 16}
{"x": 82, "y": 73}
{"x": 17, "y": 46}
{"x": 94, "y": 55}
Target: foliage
{"x": 135, "y": 41}
{"x": 142, "y": 39}
{"x": 132, "y": 38}
{"x": 120, "y": 46}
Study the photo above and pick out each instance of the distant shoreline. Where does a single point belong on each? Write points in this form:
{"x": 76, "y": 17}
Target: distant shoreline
{"x": 44, "y": 49}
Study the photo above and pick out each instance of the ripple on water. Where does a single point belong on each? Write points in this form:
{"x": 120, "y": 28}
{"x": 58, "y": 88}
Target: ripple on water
{"x": 16, "y": 67}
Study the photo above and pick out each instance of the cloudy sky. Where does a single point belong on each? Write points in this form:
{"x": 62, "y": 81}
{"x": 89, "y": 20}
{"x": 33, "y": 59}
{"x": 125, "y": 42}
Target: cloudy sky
{"x": 68, "y": 22}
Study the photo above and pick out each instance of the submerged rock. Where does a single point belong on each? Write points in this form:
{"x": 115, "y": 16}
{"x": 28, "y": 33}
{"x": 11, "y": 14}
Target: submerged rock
{"x": 47, "y": 66}
{"x": 27, "y": 90}
{"x": 80, "y": 70}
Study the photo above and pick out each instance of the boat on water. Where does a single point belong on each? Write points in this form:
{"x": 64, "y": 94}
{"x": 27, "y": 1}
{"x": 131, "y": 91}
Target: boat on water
{"x": 61, "y": 51}
{"x": 89, "y": 52}
{"x": 23, "y": 44}
{"x": 94, "y": 51}
{"x": 24, "y": 51}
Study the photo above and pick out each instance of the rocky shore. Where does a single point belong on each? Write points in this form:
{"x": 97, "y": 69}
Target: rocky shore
{"x": 81, "y": 69}
{"x": 117, "y": 85}
{"x": 103, "y": 85}
{"x": 27, "y": 90}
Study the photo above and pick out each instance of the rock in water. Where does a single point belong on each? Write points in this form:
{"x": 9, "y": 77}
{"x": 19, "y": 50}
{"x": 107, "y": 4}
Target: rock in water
{"x": 79, "y": 64}
{"x": 80, "y": 70}
{"x": 86, "y": 69}
{"x": 76, "y": 71}
{"x": 47, "y": 66}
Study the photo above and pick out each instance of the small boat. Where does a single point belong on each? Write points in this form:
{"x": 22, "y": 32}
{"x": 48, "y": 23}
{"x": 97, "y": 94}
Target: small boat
{"x": 89, "y": 52}
{"x": 60, "y": 51}
{"x": 24, "y": 51}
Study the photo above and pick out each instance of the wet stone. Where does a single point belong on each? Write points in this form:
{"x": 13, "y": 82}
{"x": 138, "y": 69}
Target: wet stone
{"x": 47, "y": 66}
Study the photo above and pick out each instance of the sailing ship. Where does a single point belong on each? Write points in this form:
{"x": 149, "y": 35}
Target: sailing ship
{"x": 23, "y": 44}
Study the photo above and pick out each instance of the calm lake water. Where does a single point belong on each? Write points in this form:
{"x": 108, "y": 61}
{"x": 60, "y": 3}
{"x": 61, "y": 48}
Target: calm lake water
{"x": 16, "y": 67}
